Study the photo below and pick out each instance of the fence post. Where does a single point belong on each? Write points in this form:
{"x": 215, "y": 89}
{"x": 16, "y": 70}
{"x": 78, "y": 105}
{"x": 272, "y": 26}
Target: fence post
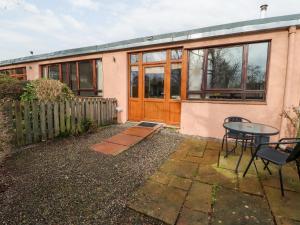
{"x": 35, "y": 121}
{"x": 50, "y": 119}
{"x": 68, "y": 117}
{"x": 56, "y": 119}
{"x": 43, "y": 121}
{"x": 27, "y": 122}
{"x": 62, "y": 117}
{"x": 19, "y": 128}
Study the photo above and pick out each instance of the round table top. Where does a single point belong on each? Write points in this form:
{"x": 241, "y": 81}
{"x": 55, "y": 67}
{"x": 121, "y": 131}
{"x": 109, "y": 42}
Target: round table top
{"x": 251, "y": 128}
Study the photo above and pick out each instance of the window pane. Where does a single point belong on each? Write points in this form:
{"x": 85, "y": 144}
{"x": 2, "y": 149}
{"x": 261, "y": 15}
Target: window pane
{"x": 64, "y": 73}
{"x": 224, "y": 68}
{"x": 53, "y": 72}
{"x": 85, "y": 74}
{"x": 217, "y": 95}
{"x": 154, "y": 56}
{"x": 257, "y": 63}
{"x": 134, "y": 58}
{"x": 134, "y": 82}
{"x": 175, "y": 81}
{"x": 154, "y": 82}
{"x": 87, "y": 93}
{"x": 44, "y": 71}
{"x": 99, "y": 75}
{"x": 255, "y": 96}
{"x": 195, "y": 69}
{"x": 20, "y": 70}
{"x": 72, "y": 74}
{"x": 176, "y": 54}
{"x": 194, "y": 96}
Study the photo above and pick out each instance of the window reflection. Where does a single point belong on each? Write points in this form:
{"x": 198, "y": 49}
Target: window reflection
{"x": 257, "y": 63}
{"x": 195, "y": 69}
{"x": 154, "y": 82}
{"x": 175, "y": 81}
{"x": 176, "y": 54}
{"x": 53, "y": 72}
{"x": 154, "y": 56}
{"x": 85, "y": 74}
{"x": 134, "y": 80}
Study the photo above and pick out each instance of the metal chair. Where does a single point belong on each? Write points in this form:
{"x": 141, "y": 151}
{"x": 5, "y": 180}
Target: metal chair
{"x": 229, "y": 134}
{"x": 278, "y": 156}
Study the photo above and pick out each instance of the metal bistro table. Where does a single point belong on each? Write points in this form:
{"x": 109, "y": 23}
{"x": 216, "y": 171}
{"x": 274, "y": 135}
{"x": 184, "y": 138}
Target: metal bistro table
{"x": 255, "y": 129}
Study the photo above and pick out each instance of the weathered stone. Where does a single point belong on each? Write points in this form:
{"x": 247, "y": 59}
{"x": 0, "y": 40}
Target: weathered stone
{"x": 287, "y": 206}
{"x": 159, "y": 201}
{"x": 194, "y": 147}
{"x": 285, "y": 221}
{"x": 215, "y": 175}
{"x": 250, "y": 184}
{"x": 199, "y": 197}
{"x": 160, "y": 177}
{"x": 214, "y": 145}
{"x": 236, "y": 208}
{"x": 181, "y": 183}
{"x": 190, "y": 217}
{"x": 179, "y": 168}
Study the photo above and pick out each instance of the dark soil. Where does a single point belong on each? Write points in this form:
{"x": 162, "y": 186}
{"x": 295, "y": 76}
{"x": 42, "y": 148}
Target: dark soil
{"x": 64, "y": 182}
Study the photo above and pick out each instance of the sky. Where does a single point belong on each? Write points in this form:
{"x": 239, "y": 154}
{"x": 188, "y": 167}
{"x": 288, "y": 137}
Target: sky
{"x": 44, "y": 26}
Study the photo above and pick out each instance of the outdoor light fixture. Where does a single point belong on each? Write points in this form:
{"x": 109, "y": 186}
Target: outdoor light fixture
{"x": 114, "y": 59}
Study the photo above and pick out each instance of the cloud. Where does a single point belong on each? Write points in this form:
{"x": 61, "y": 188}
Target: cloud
{"x": 87, "y": 4}
{"x": 15, "y": 4}
{"x": 74, "y": 23}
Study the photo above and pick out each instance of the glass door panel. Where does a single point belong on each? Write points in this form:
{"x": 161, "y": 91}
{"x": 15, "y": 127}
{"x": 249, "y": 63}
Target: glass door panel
{"x": 154, "y": 82}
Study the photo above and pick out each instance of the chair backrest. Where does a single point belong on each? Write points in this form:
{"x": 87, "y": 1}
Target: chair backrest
{"x": 295, "y": 153}
{"x": 236, "y": 119}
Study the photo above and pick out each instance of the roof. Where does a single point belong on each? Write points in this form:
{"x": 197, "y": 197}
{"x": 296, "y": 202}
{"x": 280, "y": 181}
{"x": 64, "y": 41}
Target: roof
{"x": 270, "y": 23}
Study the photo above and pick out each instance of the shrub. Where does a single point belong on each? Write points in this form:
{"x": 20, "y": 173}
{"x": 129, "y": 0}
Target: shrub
{"x": 46, "y": 90}
{"x": 11, "y": 87}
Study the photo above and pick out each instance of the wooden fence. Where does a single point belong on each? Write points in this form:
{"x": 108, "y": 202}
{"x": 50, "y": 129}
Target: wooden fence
{"x": 38, "y": 121}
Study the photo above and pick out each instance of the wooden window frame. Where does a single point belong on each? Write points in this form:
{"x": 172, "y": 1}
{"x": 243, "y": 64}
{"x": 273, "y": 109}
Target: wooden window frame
{"x": 242, "y": 90}
{"x": 94, "y": 90}
{"x": 22, "y": 76}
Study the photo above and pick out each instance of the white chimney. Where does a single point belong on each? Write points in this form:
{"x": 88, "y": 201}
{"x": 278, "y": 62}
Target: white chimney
{"x": 263, "y": 11}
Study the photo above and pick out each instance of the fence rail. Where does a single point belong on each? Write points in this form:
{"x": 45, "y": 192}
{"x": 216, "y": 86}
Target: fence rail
{"x": 38, "y": 121}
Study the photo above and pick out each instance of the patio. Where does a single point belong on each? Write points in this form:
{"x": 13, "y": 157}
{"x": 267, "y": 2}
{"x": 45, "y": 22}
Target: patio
{"x": 197, "y": 185}
{"x": 167, "y": 178}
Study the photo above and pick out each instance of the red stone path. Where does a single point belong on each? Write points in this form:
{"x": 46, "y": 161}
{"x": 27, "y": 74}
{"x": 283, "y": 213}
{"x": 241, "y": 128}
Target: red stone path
{"x": 121, "y": 142}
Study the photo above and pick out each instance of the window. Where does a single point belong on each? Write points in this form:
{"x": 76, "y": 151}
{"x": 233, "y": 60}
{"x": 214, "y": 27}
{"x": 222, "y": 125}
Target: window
{"x": 154, "y": 56}
{"x": 85, "y": 78}
{"x": 175, "y": 81}
{"x": 154, "y": 82}
{"x": 176, "y": 54}
{"x": 134, "y": 58}
{"x": 19, "y": 73}
{"x": 134, "y": 81}
{"x": 231, "y": 72}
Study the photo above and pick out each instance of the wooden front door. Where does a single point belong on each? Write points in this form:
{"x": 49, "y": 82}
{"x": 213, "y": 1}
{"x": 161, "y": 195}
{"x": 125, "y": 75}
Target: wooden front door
{"x": 154, "y": 90}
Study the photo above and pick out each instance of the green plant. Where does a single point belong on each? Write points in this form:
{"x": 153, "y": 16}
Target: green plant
{"x": 215, "y": 189}
{"x": 87, "y": 126}
{"x": 11, "y": 87}
{"x": 46, "y": 90}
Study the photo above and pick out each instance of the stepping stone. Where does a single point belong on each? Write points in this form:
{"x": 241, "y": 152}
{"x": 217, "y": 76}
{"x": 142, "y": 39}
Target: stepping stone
{"x": 232, "y": 207}
{"x": 108, "y": 148}
{"x": 124, "y": 139}
{"x": 139, "y": 131}
{"x": 287, "y": 206}
{"x": 159, "y": 201}
{"x": 199, "y": 197}
{"x": 190, "y": 217}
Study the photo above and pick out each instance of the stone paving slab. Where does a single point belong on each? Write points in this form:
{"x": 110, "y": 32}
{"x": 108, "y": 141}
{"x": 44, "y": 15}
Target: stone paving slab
{"x": 139, "y": 131}
{"x": 179, "y": 168}
{"x": 124, "y": 139}
{"x": 199, "y": 197}
{"x": 250, "y": 184}
{"x": 233, "y": 207}
{"x": 214, "y": 175}
{"x": 108, "y": 148}
{"x": 287, "y": 206}
{"x": 181, "y": 183}
{"x": 159, "y": 201}
{"x": 190, "y": 217}
{"x": 285, "y": 221}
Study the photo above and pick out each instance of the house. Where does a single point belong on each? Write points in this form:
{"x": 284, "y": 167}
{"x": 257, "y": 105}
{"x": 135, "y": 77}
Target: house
{"x": 191, "y": 79}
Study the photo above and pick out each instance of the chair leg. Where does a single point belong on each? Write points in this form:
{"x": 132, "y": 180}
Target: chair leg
{"x": 266, "y": 166}
{"x": 252, "y": 158}
{"x": 281, "y": 181}
{"x": 223, "y": 142}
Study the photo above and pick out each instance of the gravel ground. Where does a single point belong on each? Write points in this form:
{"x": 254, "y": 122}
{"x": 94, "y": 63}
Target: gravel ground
{"x": 64, "y": 182}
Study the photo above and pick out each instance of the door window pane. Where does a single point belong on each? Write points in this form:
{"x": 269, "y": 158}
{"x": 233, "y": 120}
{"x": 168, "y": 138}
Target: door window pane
{"x": 72, "y": 74}
{"x": 44, "y": 71}
{"x": 154, "y": 56}
{"x": 176, "y": 54}
{"x": 53, "y": 72}
{"x": 134, "y": 82}
{"x": 134, "y": 58}
{"x": 257, "y": 63}
{"x": 195, "y": 69}
{"x": 154, "y": 82}
{"x": 99, "y": 76}
{"x": 85, "y": 74}
{"x": 175, "y": 81}
{"x": 224, "y": 69}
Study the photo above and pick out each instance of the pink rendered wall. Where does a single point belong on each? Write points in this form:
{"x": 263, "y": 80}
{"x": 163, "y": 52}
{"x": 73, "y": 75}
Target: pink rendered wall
{"x": 206, "y": 118}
